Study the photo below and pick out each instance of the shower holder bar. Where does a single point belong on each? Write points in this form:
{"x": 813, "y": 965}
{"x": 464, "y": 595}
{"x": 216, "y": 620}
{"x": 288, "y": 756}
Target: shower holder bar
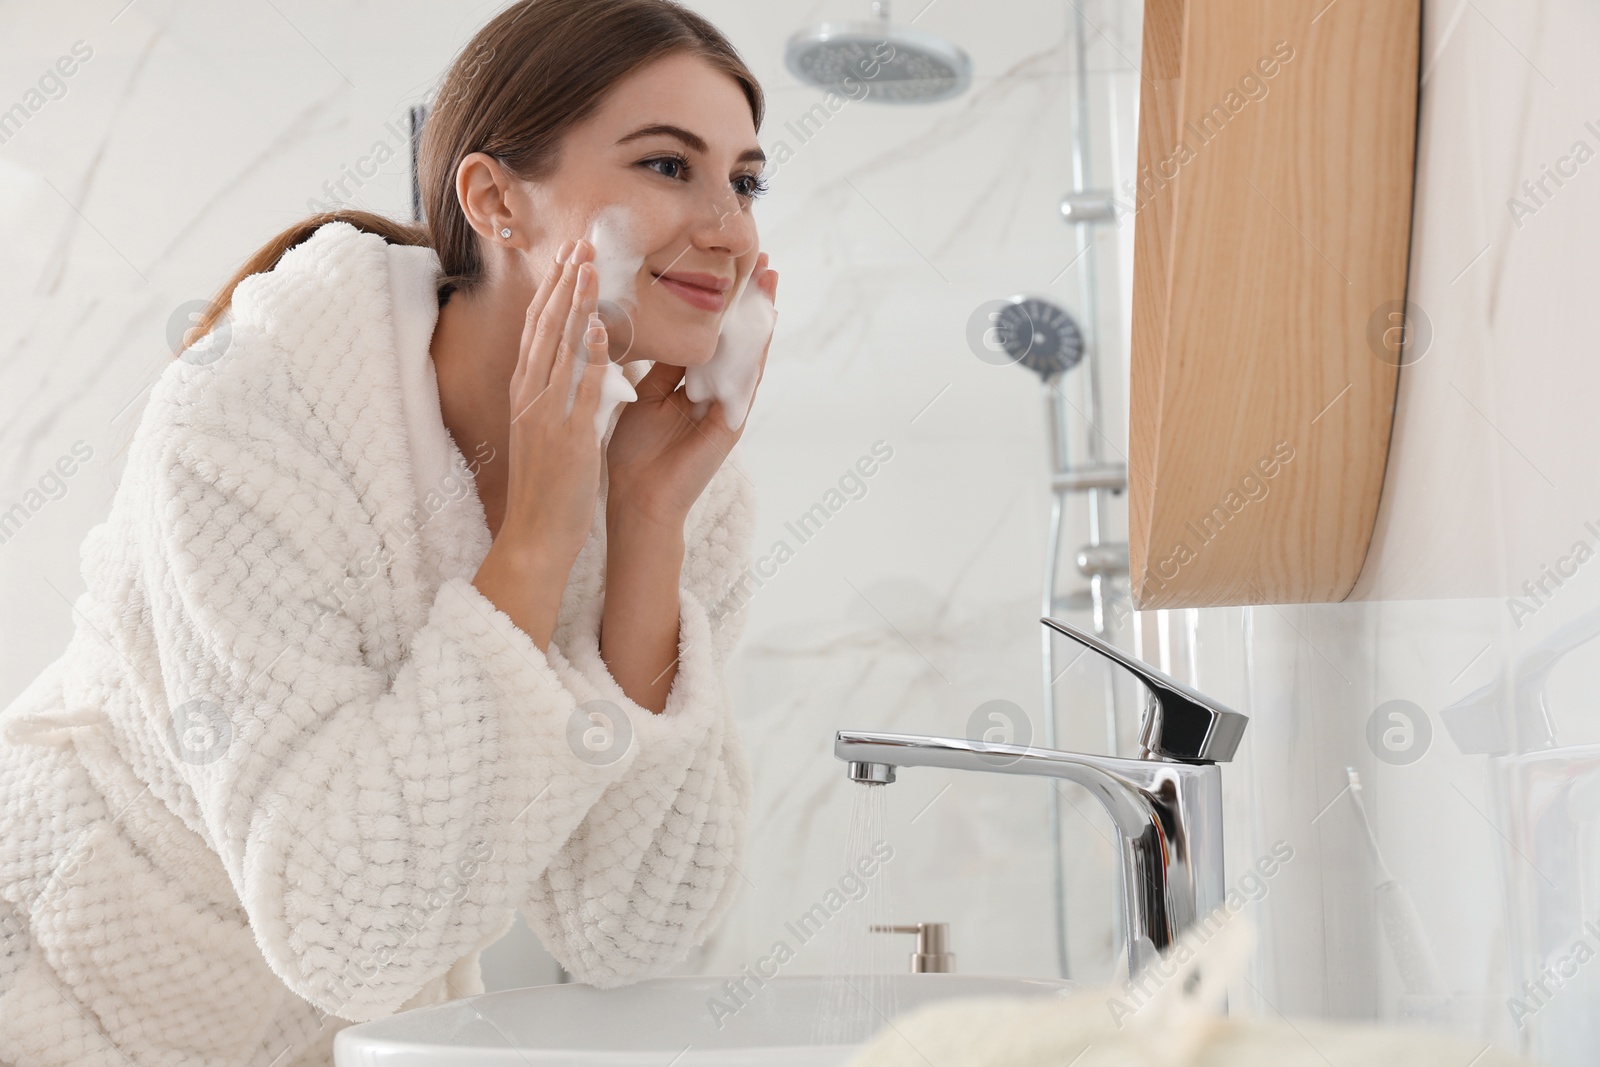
{"x": 1090, "y": 207}
{"x": 1104, "y": 560}
{"x": 1112, "y": 476}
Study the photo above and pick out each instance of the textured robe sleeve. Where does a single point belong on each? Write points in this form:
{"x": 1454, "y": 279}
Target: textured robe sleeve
{"x": 381, "y": 815}
{"x": 655, "y": 862}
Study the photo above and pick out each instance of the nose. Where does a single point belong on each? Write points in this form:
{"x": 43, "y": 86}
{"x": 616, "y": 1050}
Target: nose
{"x": 725, "y": 226}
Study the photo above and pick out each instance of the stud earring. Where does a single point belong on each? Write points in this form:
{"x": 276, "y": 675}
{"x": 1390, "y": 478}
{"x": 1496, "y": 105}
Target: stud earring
{"x": 505, "y": 232}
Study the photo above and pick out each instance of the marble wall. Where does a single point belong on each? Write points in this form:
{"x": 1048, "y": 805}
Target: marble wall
{"x": 188, "y": 134}
{"x": 1476, "y": 564}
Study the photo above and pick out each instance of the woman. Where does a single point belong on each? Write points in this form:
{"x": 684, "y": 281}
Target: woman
{"x": 341, "y": 699}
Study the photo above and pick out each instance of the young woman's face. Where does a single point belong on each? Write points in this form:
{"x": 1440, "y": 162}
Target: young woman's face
{"x": 675, "y": 145}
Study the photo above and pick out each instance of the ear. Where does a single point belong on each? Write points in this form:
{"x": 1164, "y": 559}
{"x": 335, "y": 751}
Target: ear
{"x": 482, "y": 183}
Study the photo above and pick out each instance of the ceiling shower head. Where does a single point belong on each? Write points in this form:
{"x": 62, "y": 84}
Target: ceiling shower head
{"x": 921, "y": 69}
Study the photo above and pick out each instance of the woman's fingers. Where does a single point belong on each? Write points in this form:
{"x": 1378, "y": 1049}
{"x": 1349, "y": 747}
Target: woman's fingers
{"x": 570, "y": 353}
{"x": 557, "y": 333}
{"x": 765, "y": 277}
{"x": 541, "y": 298}
{"x": 598, "y": 354}
{"x": 769, "y": 285}
{"x": 546, "y": 336}
{"x": 550, "y": 333}
{"x": 660, "y": 380}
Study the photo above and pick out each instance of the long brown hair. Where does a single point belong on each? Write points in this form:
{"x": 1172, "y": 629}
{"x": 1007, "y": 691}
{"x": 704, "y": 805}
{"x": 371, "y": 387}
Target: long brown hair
{"x": 535, "y": 70}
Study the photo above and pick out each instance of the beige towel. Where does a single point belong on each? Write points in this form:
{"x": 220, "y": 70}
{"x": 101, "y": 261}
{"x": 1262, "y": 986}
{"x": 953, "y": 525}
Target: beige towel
{"x": 1172, "y": 1020}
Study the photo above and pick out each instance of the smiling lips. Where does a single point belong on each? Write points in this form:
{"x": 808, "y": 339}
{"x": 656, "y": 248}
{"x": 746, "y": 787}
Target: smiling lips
{"x": 704, "y": 291}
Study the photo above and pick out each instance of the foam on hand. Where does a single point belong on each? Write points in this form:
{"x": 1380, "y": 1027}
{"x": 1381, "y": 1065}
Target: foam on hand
{"x": 730, "y": 375}
{"x": 615, "y": 389}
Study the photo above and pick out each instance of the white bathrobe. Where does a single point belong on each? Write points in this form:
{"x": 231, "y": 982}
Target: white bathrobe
{"x": 293, "y": 769}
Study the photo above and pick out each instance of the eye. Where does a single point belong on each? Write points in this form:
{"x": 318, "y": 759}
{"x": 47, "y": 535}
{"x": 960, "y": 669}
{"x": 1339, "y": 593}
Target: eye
{"x": 756, "y": 186}
{"x": 678, "y": 162}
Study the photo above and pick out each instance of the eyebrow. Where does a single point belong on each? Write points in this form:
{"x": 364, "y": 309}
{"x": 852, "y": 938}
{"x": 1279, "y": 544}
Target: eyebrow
{"x": 693, "y": 141}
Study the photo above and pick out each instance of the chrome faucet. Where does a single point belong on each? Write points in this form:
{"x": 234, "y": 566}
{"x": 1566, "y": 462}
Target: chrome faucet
{"x": 1166, "y": 804}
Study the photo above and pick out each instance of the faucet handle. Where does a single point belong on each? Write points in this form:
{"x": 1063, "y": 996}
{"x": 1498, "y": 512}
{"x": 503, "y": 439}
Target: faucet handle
{"x": 933, "y": 946}
{"x": 1180, "y": 723}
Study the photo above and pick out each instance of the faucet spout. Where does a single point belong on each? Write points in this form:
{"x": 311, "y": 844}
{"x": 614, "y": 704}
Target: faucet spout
{"x": 1168, "y": 819}
{"x": 871, "y": 773}
{"x": 1166, "y": 807}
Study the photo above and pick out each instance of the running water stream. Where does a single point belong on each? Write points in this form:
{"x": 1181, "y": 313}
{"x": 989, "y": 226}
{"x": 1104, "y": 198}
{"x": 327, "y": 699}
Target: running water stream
{"x": 858, "y": 997}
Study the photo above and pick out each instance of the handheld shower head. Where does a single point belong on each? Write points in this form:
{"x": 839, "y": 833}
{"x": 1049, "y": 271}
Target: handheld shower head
{"x": 1038, "y": 334}
{"x": 916, "y": 67}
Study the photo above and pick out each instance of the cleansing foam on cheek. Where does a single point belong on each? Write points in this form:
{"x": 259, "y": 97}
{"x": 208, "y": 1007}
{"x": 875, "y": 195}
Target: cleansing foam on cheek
{"x": 613, "y": 232}
{"x": 730, "y": 375}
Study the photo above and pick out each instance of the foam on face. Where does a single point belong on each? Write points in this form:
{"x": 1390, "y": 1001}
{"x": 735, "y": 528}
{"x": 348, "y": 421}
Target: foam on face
{"x": 617, "y": 259}
{"x": 730, "y": 375}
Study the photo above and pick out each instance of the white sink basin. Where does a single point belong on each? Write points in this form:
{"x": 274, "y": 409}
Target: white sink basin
{"x": 803, "y": 1019}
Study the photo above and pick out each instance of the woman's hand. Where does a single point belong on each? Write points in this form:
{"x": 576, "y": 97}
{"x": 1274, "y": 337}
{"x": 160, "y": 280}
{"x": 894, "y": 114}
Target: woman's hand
{"x": 661, "y": 457}
{"x": 553, "y": 465}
